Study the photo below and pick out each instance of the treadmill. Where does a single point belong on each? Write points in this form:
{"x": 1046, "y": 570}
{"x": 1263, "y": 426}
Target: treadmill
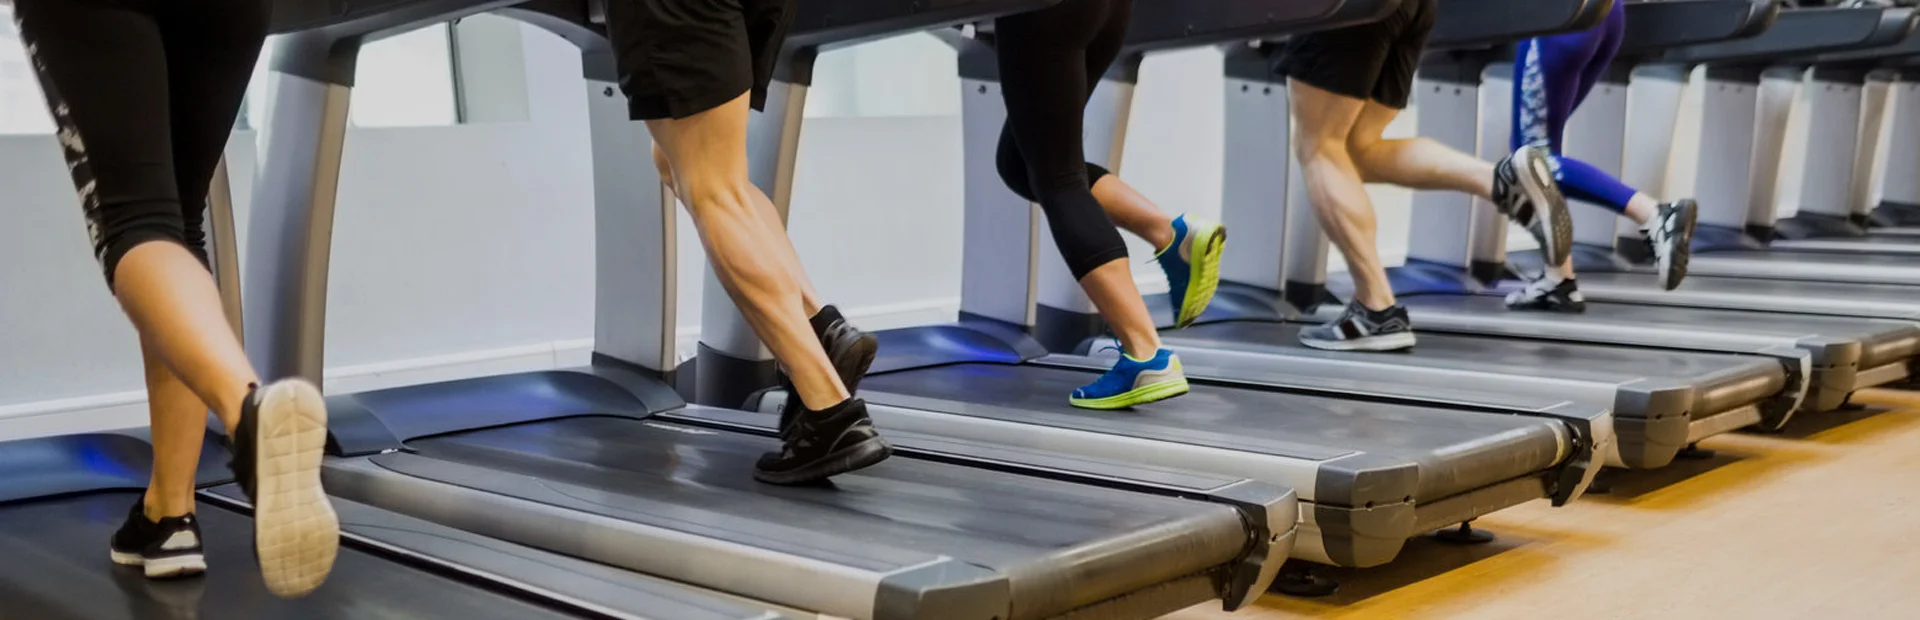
{"x": 1662, "y": 402}
{"x": 1369, "y": 475}
{"x": 1737, "y": 197}
{"x": 584, "y": 463}
{"x": 63, "y": 497}
{"x": 1461, "y": 254}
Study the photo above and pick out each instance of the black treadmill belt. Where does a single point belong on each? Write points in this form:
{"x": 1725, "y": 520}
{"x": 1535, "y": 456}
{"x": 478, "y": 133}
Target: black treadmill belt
{"x": 1629, "y": 319}
{"x": 1520, "y": 357}
{"x": 1457, "y": 451}
{"x": 913, "y": 510}
{"x": 56, "y": 568}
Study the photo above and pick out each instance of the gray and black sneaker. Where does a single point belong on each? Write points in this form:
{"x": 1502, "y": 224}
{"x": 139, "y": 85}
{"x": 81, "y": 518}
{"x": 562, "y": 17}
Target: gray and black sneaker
{"x": 277, "y": 449}
{"x": 1525, "y": 191}
{"x": 166, "y": 548}
{"x": 1670, "y": 235}
{"x": 822, "y": 444}
{"x": 1360, "y": 329}
{"x": 1550, "y": 293}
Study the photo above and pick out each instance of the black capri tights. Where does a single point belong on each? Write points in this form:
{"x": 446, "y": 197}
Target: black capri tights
{"x": 144, "y": 93}
{"x": 1050, "y": 60}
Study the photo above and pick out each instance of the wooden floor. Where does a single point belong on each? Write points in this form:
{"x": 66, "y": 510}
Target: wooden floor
{"x": 1820, "y": 522}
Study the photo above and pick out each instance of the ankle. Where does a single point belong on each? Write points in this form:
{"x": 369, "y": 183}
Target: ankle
{"x": 156, "y": 508}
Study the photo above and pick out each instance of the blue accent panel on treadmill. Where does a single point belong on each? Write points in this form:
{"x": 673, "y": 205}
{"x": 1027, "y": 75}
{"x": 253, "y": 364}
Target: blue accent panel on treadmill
{"x": 70, "y": 464}
{"x": 974, "y": 340}
{"x": 1419, "y": 277}
{"x": 1711, "y": 238}
{"x": 371, "y": 422}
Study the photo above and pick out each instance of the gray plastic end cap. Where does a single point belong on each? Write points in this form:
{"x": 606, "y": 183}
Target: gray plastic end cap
{"x": 945, "y": 589}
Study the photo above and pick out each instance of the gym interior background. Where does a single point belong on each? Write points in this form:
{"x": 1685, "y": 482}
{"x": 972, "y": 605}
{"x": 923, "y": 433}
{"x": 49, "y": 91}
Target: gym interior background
{"x": 464, "y": 240}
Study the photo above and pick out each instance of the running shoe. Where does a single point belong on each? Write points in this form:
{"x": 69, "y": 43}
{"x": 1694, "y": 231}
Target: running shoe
{"x": 166, "y": 548}
{"x": 823, "y": 444}
{"x": 1192, "y": 279}
{"x": 1360, "y": 329}
{"x": 1524, "y": 187}
{"x": 276, "y": 459}
{"x": 1670, "y": 234}
{"x": 1134, "y": 382}
{"x": 1550, "y": 293}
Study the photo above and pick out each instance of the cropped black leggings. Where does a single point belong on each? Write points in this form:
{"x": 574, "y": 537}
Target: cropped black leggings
{"x": 144, "y": 93}
{"x": 1050, "y": 60}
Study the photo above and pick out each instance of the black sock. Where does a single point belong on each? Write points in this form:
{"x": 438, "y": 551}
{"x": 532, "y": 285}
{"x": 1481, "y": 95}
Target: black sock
{"x": 826, "y": 318}
{"x": 836, "y": 408}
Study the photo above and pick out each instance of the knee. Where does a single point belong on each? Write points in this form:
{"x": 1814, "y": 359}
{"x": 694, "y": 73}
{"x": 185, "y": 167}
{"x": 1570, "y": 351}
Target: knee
{"x": 1311, "y": 149}
{"x": 1013, "y": 171}
{"x": 666, "y": 168}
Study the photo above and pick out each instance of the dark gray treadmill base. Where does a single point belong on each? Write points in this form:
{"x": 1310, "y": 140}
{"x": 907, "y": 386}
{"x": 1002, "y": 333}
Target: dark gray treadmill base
{"x": 57, "y": 568}
{"x": 1785, "y": 295}
{"x": 1650, "y": 383}
{"x": 912, "y": 517}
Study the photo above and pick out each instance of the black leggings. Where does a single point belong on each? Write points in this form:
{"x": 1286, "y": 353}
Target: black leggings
{"x": 145, "y": 93}
{"x": 1050, "y": 60}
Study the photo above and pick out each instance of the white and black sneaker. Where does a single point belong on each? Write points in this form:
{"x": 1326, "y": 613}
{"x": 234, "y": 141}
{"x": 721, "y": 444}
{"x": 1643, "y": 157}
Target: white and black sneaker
{"x": 1525, "y": 191}
{"x": 277, "y": 449}
{"x": 1670, "y": 235}
{"x": 166, "y": 548}
{"x": 1360, "y": 329}
{"x": 1551, "y": 293}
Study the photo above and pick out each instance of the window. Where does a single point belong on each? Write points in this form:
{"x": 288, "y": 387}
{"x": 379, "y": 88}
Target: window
{"x": 405, "y": 80}
{"x": 22, "y": 110}
{"x": 402, "y": 81}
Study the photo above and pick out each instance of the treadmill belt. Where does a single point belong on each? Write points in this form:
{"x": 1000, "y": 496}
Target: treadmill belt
{"x": 1837, "y": 259}
{"x": 57, "y": 568}
{"x": 1456, "y": 451}
{"x": 1759, "y": 294}
{"x": 1066, "y": 540}
{"x": 1581, "y": 362}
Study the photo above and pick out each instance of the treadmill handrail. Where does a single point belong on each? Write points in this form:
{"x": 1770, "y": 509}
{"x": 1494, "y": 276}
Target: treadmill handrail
{"x": 826, "y": 24}
{"x": 1655, "y": 26}
{"x": 1465, "y": 24}
{"x": 1171, "y": 24}
{"x": 1908, "y": 46}
{"x": 1806, "y": 31}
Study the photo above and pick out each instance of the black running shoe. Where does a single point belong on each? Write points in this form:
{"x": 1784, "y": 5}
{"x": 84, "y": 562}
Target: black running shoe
{"x": 1553, "y": 294}
{"x": 1525, "y": 191}
{"x": 1670, "y": 235}
{"x": 851, "y": 351}
{"x": 824, "y": 444}
{"x": 276, "y": 459}
{"x": 1360, "y": 329}
{"x": 169, "y": 547}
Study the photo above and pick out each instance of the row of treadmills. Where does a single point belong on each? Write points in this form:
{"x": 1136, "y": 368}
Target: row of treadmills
{"x": 601, "y": 492}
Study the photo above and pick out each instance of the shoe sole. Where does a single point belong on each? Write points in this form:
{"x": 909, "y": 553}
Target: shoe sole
{"x": 1203, "y": 278}
{"x": 163, "y": 568}
{"x": 845, "y": 460}
{"x": 1387, "y": 342}
{"x": 1676, "y": 270}
{"x": 296, "y": 533}
{"x": 1138, "y": 396}
{"x": 1537, "y": 181}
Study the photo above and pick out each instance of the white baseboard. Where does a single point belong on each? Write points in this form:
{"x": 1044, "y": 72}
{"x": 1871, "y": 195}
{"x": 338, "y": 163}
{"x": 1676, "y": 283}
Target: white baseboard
{"x": 129, "y": 409}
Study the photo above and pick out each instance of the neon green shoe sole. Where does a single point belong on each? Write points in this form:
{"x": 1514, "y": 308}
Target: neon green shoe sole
{"x": 1139, "y": 396}
{"x": 1204, "y": 278}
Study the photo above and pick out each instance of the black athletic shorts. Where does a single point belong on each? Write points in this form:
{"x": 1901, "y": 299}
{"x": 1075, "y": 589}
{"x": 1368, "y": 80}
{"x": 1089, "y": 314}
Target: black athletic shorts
{"x": 1370, "y": 61}
{"x": 679, "y": 58}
